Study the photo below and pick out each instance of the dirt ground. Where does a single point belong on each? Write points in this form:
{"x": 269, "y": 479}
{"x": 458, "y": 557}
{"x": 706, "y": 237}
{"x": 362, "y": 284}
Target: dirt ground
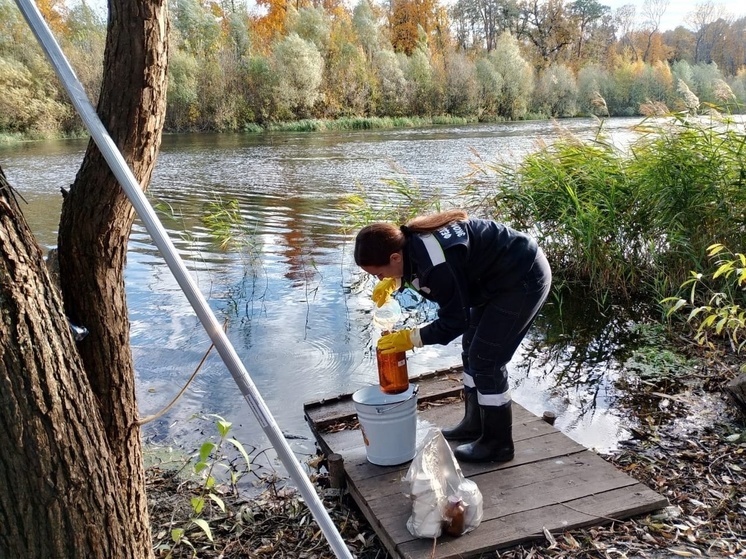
{"x": 692, "y": 451}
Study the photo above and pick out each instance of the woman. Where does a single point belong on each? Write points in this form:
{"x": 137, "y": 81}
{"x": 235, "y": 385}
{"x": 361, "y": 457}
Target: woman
{"x": 489, "y": 282}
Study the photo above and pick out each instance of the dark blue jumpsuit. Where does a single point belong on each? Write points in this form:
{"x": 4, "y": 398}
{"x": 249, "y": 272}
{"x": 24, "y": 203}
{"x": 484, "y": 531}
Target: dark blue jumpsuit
{"x": 489, "y": 282}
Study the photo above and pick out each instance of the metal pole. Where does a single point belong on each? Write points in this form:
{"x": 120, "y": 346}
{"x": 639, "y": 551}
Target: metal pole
{"x": 147, "y": 215}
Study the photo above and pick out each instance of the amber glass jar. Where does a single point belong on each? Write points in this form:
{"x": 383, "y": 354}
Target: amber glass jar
{"x": 392, "y": 371}
{"x": 454, "y": 516}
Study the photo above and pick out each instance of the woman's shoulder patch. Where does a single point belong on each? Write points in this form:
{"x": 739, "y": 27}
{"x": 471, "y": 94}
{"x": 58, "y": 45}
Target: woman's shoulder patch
{"x": 451, "y": 235}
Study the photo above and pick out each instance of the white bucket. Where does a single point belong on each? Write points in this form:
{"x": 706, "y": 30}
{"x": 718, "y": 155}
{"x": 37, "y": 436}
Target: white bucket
{"x": 388, "y": 423}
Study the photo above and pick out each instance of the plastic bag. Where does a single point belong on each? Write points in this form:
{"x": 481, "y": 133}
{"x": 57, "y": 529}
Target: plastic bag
{"x": 442, "y": 498}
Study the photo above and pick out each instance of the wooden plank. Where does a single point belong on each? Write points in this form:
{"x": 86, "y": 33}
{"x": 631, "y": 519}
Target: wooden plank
{"x": 553, "y": 482}
{"x": 551, "y": 445}
{"x": 525, "y": 425}
{"x": 513, "y": 529}
{"x": 432, "y": 386}
{"x": 378, "y": 528}
{"x": 519, "y": 489}
{"x": 365, "y": 475}
{"x": 509, "y": 531}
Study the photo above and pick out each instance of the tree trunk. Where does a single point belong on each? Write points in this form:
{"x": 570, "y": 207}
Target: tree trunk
{"x": 60, "y": 492}
{"x": 95, "y": 226}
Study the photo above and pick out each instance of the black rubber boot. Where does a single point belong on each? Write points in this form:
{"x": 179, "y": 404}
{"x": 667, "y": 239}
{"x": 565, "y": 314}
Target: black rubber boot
{"x": 496, "y": 442}
{"x": 470, "y": 428}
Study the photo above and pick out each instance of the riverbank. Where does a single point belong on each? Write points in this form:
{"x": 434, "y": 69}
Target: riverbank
{"x": 303, "y": 125}
{"x": 692, "y": 450}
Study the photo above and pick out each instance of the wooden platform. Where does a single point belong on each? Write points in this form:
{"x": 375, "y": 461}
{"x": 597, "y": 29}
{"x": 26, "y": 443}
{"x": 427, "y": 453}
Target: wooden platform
{"x": 553, "y": 483}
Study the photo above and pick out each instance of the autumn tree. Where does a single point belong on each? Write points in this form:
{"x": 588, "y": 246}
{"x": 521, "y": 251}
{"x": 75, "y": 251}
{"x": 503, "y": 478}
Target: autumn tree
{"x": 702, "y": 21}
{"x": 298, "y": 66}
{"x": 407, "y": 18}
{"x": 478, "y": 23}
{"x": 364, "y": 20}
{"x": 84, "y": 40}
{"x": 489, "y": 86}
{"x": 272, "y": 23}
{"x": 556, "y": 91}
{"x": 198, "y": 82}
{"x": 514, "y": 76}
{"x": 717, "y": 43}
{"x": 392, "y": 91}
{"x": 681, "y": 44}
{"x": 348, "y": 76}
{"x": 624, "y": 20}
{"x": 547, "y": 26}
{"x": 594, "y": 83}
{"x": 733, "y": 55}
{"x": 586, "y": 14}
{"x": 311, "y": 24}
{"x": 53, "y": 12}
{"x": 198, "y": 31}
{"x": 652, "y": 13}
{"x": 738, "y": 85}
{"x": 31, "y": 99}
{"x": 461, "y": 90}
{"x": 419, "y": 78}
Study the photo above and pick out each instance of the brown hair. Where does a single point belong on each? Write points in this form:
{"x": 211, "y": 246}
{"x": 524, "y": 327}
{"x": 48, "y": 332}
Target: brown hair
{"x": 375, "y": 243}
{"x": 428, "y": 223}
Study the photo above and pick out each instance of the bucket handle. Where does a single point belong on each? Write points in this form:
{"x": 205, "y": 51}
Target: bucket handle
{"x": 415, "y": 390}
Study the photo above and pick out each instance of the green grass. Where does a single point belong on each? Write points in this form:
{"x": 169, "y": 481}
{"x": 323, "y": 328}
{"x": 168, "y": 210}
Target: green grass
{"x": 359, "y": 123}
{"x": 10, "y": 138}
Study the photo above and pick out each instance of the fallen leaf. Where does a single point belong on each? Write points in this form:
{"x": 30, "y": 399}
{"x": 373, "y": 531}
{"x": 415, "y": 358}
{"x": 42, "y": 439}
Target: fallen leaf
{"x": 550, "y": 538}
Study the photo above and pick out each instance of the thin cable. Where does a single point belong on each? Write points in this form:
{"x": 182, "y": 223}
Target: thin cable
{"x": 147, "y": 215}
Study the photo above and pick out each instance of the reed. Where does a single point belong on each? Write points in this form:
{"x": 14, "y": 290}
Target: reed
{"x": 11, "y": 138}
{"x": 307, "y": 125}
{"x": 453, "y": 120}
{"x": 358, "y": 123}
{"x": 625, "y": 224}
{"x": 691, "y": 176}
{"x": 403, "y": 198}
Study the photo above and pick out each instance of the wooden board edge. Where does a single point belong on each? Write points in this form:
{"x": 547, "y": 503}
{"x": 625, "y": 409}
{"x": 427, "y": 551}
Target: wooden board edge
{"x": 454, "y": 370}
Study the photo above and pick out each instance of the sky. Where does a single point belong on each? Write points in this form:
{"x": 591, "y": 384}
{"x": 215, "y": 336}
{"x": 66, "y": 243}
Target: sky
{"x": 677, "y": 10}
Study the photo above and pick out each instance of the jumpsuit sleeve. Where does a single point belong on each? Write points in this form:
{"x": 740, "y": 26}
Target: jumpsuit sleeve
{"x": 447, "y": 289}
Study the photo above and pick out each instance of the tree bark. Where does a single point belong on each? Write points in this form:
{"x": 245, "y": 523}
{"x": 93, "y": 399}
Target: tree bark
{"x": 60, "y": 493}
{"x": 95, "y": 225}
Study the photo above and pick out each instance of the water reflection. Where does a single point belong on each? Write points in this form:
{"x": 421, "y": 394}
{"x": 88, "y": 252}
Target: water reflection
{"x": 292, "y": 301}
{"x": 576, "y": 353}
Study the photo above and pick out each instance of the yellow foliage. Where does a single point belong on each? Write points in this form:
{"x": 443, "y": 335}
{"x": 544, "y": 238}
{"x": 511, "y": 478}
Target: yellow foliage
{"x": 406, "y": 17}
{"x": 662, "y": 73}
{"x": 54, "y": 13}
{"x": 272, "y": 23}
{"x": 658, "y": 50}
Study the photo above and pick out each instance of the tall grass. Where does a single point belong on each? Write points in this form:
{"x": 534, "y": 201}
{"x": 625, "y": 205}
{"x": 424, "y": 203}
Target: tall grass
{"x": 12, "y": 138}
{"x": 359, "y": 123}
{"x": 693, "y": 179}
{"x": 626, "y": 224}
{"x": 402, "y": 200}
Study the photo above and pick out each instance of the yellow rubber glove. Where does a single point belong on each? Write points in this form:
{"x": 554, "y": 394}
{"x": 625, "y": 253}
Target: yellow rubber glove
{"x": 383, "y": 290}
{"x": 396, "y": 342}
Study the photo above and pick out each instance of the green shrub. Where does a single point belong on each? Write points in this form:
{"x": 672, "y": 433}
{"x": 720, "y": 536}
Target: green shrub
{"x": 715, "y": 300}
{"x": 28, "y": 103}
{"x": 620, "y": 223}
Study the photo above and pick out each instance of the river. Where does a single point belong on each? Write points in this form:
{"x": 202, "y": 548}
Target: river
{"x": 293, "y": 302}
